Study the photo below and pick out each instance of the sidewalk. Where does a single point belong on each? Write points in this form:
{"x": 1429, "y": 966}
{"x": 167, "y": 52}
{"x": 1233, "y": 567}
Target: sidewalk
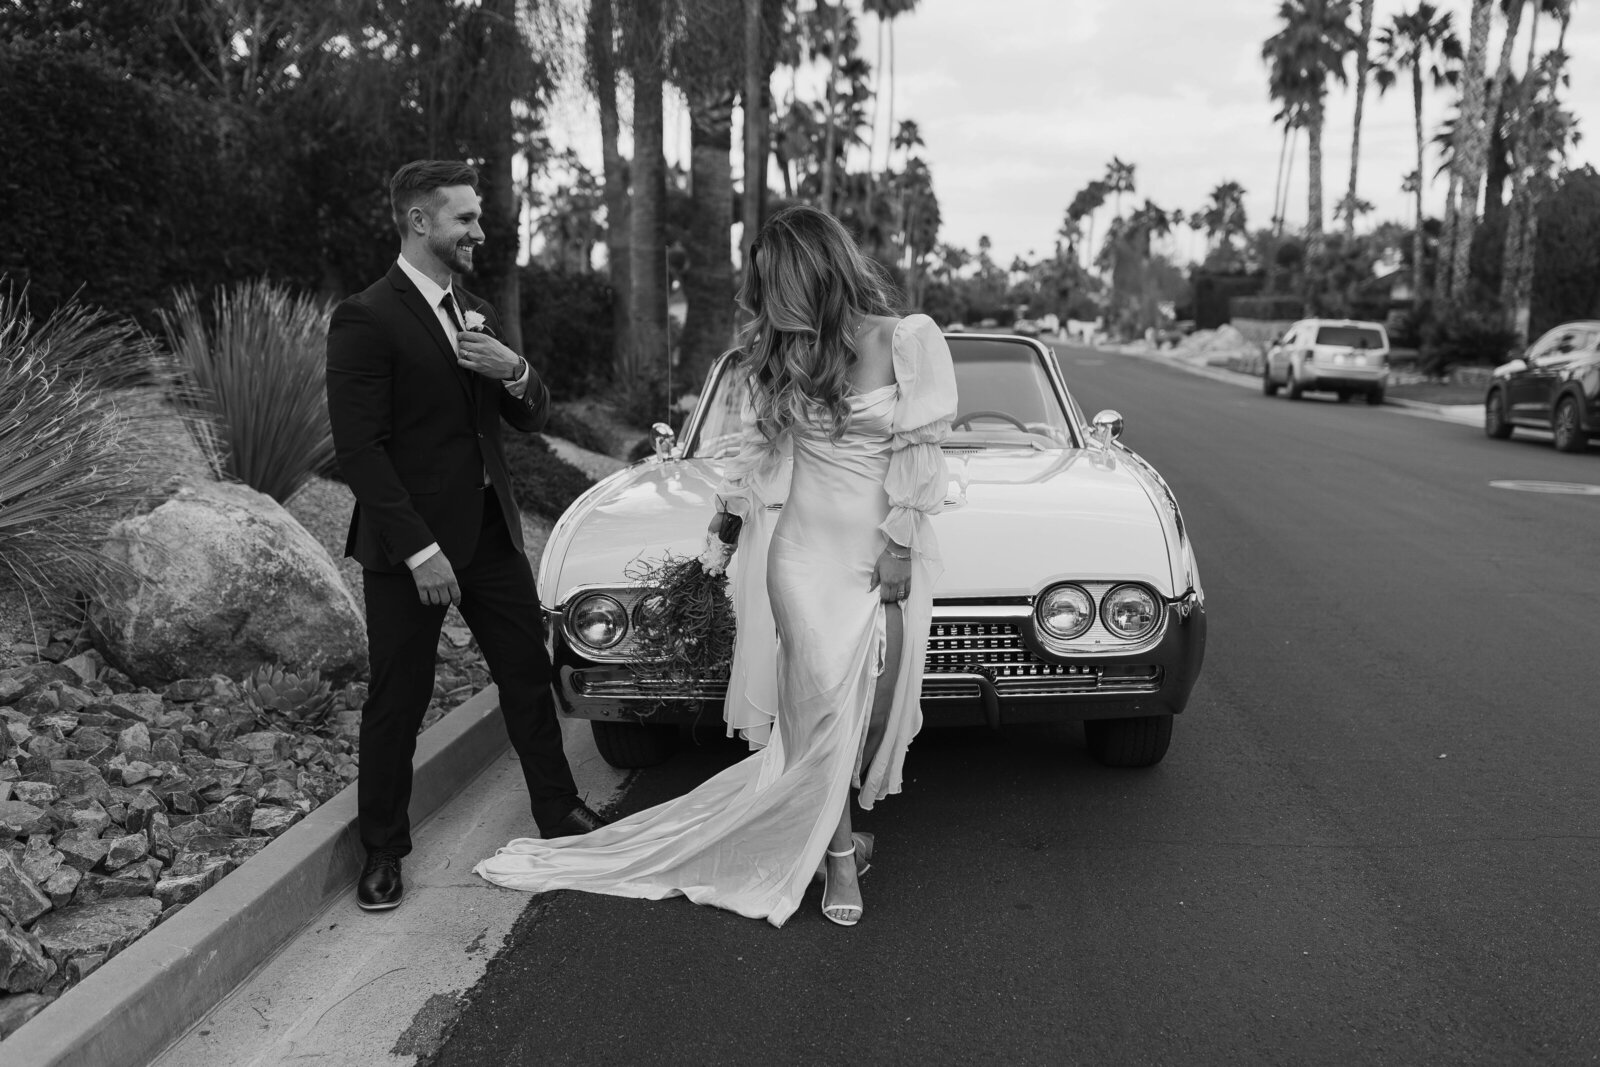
{"x": 358, "y": 988}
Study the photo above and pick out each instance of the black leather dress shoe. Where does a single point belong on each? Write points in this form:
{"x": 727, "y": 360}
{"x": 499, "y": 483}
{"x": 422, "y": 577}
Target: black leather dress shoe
{"x": 580, "y": 820}
{"x": 380, "y": 887}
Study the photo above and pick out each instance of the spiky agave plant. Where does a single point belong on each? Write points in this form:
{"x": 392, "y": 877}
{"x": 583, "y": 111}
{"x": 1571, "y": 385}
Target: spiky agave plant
{"x": 69, "y": 466}
{"x": 283, "y": 698}
{"x": 250, "y": 376}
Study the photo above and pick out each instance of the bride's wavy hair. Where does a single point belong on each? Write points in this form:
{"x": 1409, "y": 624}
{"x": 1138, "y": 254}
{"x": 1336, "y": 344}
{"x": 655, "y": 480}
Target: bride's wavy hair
{"x": 806, "y": 286}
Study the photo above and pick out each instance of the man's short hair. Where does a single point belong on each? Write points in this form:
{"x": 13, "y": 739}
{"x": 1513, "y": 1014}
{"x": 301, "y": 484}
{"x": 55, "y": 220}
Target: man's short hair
{"x": 420, "y": 179}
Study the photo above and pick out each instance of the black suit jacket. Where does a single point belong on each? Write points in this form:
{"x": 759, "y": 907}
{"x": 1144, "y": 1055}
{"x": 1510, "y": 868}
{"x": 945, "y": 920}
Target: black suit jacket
{"x": 414, "y": 432}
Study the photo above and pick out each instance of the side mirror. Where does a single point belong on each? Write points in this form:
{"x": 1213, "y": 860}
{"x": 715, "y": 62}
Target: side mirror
{"x": 662, "y": 439}
{"x": 1107, "y": 427}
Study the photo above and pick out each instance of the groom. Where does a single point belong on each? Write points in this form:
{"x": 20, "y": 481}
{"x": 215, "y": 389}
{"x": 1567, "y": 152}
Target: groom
{"x": 418, "y": 382}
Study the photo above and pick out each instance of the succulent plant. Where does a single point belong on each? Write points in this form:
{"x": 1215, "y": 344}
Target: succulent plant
{"x": 280, "y": 696}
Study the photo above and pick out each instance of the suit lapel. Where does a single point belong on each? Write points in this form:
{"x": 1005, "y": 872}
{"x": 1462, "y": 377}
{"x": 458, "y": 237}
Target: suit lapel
{"x": 429, "y": 321}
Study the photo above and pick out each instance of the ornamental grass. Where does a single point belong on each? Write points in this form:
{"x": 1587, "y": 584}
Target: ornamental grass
{"x": 69, "y": 465}
{"x": 250, "y": 374}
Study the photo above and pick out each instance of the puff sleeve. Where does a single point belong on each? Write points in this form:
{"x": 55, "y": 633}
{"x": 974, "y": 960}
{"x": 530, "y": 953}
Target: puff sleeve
{"x": 918, "y": 478}
{"x": 758, "y": 474}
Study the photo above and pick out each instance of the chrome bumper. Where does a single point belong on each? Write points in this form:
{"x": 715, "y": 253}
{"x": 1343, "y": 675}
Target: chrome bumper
{"x": 979, "y": 669}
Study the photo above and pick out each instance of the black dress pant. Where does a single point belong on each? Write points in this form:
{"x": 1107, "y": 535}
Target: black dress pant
{"x": 501, "y": 607}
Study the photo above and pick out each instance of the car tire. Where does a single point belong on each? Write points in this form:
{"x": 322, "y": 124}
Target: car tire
{"x": 1268, "y": 386}
{"x": 1295, "y": 391}
{"x": 1565, "y": 429}
{"x": 1136, "y": 742}
{"x": 1345, "y": 395}
{"x": 630, "y": 746}
{"x": 1374, "y": 398}
{"x": 1495, "y": 423}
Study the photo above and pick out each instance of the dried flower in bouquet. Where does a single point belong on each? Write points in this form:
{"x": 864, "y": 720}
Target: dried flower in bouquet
{"x": 683, "y": 628}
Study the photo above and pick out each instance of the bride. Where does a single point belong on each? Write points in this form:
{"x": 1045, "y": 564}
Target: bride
{"x": 847, "y": 406}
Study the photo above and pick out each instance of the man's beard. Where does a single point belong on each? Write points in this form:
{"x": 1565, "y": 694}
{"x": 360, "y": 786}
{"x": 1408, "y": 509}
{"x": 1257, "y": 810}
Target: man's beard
{"x": 457, "y": 255}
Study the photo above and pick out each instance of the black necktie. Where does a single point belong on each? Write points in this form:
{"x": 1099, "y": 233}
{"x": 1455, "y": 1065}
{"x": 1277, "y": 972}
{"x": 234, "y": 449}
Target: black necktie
{"x": 449, "y": 305}
{"x": 448, "y": 302}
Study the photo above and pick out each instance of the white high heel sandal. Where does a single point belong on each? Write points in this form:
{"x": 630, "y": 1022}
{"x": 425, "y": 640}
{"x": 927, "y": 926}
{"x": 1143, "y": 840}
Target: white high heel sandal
{"x": 840, "y": 914}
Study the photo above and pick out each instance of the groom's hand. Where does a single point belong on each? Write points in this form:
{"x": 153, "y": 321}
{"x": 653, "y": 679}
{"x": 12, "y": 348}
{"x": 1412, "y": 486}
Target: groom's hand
{"x": 436, "y": 581}
{"x": 484, "y": 355}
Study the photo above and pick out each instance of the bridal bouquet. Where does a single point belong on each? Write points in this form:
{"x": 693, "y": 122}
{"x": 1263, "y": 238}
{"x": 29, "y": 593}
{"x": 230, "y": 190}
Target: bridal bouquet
{"x": 684, "y": 624}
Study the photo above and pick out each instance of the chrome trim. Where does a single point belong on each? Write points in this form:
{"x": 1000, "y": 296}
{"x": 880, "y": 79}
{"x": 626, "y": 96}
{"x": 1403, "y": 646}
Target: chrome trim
{"x": 615, "y": 684}
{"x": 661, "y": 441}
{"x": 1108, "y": 426}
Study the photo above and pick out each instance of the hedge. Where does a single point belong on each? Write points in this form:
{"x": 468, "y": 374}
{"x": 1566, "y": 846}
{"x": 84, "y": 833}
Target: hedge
{"x": 121, "y": 190}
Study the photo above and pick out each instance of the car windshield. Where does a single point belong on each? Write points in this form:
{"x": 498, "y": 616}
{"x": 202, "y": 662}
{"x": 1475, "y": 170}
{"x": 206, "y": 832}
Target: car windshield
{"x": 1350, "y": 336}
{"x": 1006, "y": 401}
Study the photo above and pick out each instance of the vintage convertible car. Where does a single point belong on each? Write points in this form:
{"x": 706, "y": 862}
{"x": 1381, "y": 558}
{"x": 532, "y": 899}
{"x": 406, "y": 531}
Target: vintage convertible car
{"x": 1069, "y": 591}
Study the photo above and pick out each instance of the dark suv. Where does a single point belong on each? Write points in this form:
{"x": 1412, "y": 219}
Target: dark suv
{"x": 1555, "y": 386}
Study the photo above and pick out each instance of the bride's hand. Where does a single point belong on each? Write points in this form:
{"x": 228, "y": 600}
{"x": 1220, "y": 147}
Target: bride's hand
{"x": 714, "y": 558}
{"x": 892, "y": 577}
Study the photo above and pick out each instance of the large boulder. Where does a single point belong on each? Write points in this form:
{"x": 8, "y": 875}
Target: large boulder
{"x": 227, "y": 581}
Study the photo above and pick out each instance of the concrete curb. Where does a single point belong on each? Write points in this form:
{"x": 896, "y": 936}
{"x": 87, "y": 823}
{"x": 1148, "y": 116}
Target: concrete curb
{"x": 145, "y": 997}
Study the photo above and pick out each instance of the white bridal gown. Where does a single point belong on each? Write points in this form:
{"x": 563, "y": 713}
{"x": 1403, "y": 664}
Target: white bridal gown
{"x": 809, "y": 648}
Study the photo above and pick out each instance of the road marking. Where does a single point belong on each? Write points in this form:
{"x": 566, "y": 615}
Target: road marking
{"x": 1571, "y": 488}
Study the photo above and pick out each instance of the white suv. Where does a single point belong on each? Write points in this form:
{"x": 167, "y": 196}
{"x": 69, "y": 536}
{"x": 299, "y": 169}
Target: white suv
{"x": 1342, "y": 356}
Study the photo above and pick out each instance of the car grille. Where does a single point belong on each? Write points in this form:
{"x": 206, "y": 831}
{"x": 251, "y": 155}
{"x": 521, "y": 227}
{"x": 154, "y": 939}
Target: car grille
{"x": 958, "y": 651}
{"x": 962, "y": 657}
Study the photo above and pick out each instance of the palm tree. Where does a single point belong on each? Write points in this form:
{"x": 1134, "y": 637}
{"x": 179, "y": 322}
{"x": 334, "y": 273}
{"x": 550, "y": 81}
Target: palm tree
{"x": 647, "y": 50}
{"x": 762, "y": 22}
{"x": 1224, "y": 216}
{"x": 886, "y": 11}
{"x": 1543, "y": 131}
{"x": 907, "y": 137}
{"x": 1472, "y": 148}
{"x": 1301, "y": 57}
{"x": 1418, "y": 41}
{"x": 834, "y": 37}
{"x": 601, "y": 46}
{"x": 707, "y": 58}
{"x": 1119, "y": 180}
{"x": 1363, "y": 66}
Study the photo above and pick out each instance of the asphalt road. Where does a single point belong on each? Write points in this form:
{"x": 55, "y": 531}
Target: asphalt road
{"x": 1374, "y": 839}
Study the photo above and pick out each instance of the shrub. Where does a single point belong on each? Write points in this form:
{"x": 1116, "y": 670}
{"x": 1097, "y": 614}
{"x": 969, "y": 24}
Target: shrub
{"x": 119, "y": 188}
{"x": 251, "y": 380}
{"x": 1464, "y": 333}
{"x": 566, "y": 329}
{"x": 1272, "y": 308}
{"x": 68, "y": 468}
{"x": 564, "y": 424}
{"x": 545, "y": 483}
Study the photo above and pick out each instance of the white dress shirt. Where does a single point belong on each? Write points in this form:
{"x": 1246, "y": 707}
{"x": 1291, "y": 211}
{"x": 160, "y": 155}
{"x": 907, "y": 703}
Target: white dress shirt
{"x": 435, "y": 296}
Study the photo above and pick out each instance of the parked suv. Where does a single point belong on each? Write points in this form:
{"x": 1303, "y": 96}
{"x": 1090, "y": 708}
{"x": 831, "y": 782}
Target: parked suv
{"x": 1341, "y": 356}
{"x": 1555, "y": 386}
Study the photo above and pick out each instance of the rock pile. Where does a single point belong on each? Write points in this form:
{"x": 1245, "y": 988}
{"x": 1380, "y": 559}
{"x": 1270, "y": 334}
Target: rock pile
{"x": 119, "y": 805}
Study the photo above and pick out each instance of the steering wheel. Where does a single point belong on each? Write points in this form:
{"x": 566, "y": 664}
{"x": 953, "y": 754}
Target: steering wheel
{"x": 965, "y": 420}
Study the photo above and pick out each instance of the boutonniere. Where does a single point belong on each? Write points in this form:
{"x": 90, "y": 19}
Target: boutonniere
{"x": 475, "y": 321}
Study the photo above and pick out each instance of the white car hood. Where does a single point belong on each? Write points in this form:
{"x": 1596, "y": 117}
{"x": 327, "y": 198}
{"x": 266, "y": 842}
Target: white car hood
{"x": 1030, "y": 518}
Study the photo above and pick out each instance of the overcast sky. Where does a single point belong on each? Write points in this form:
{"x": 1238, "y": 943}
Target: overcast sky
{"x": 1022, "y": 102}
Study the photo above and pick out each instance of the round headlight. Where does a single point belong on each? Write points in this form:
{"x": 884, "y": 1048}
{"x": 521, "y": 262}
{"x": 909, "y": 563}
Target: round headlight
{"x": 1130, "y": 611}
{"x": 1066, "y": 611}
{"x": 599, "y": 621}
